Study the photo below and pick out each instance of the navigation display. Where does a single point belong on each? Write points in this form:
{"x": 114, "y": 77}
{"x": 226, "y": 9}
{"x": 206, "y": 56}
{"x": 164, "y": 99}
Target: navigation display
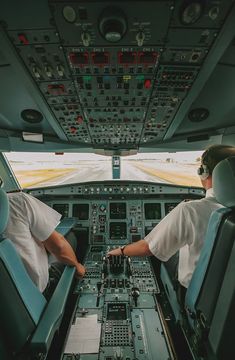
{"x": 117, "y": 210}
{"x": 152, "y": 211}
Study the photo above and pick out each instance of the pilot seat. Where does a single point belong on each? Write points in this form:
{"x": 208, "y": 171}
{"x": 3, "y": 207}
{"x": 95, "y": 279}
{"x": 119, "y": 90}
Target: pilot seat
{"x": 210, "y": 298}
{"x": 28, "y": 321}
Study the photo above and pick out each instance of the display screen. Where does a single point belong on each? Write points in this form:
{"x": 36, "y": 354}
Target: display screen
{"x": 98, "y": 238}
{"x": 116, "y": 311}
{"x": 152, "y": 211}
{"x": 81, "y": 211}
{"x": 169, "y": 207}
{"x": 117, "y": 231}
{"x": 62, "y": 209}
{"x": 117, "y": 210}
{"x": 135, "y": 237}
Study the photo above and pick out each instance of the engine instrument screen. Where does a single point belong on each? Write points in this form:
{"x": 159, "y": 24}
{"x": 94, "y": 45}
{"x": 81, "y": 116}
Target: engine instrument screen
{"x": 116, "y": 311}
{"x": 152, "y": 211}
{"x": 117, "y": 231}
{"x": 117, "y": 210}
{"x": 81, "y": 211}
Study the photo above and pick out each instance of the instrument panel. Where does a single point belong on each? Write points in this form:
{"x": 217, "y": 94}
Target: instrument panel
{"x": 118, "y": 313}
{"x": 116, "y": 212}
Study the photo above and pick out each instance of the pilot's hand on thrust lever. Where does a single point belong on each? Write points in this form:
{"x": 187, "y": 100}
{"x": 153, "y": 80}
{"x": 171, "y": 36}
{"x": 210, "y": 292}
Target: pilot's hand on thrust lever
{"x": 80, "y": 270}
{"x": 116, "y": 251}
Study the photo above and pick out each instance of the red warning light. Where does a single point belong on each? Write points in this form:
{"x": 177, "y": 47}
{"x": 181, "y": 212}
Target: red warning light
{"x": 23, "y": 39}
{"x": 56, "y": 89}
{"x": 73, "y": 130}
{"x": 147, "y": 84}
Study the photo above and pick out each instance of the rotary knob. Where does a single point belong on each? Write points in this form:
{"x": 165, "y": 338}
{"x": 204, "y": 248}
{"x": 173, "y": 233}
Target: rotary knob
{"x": 112, "y": 24}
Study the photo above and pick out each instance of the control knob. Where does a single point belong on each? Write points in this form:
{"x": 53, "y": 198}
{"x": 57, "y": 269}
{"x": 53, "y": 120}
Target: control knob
{"x": 112, "y": 24}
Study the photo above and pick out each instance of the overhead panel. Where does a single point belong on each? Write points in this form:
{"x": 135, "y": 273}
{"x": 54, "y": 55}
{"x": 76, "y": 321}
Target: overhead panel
{"x": 115, "y": 74}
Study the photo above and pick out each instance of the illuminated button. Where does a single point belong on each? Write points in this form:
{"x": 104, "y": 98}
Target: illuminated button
{"x": 56, "y": 89}
{"x": 147, "y": 84}
{"x": 100, "y": 58}
{"x": 23, "y": 39}
{"x": 102, "y": 208}
{"x": 127, "y": 58}
{"x": 77, "y": 58}
{"x": 73, "y": 130}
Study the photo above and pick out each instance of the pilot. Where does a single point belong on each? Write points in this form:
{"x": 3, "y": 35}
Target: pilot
{"x": 184, "y": 228}
{"x": 31, "y": 227}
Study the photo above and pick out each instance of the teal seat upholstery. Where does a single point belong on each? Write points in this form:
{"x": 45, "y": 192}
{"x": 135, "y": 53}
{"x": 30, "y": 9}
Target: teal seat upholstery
{"x": 4, "y": 211}
{"x": 28, "y": 322}
{"x": 211, "y": 284}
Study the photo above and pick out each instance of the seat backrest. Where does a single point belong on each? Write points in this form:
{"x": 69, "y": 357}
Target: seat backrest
{"x": 221, "y": 335}
{"x": 205, "y": 286}
{"x": 21, "y": 302}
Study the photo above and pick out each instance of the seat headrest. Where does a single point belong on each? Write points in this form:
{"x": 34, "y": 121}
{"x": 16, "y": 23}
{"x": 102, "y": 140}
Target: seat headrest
{"x": 223, "y": 180}
{"x": 4, "y": 210}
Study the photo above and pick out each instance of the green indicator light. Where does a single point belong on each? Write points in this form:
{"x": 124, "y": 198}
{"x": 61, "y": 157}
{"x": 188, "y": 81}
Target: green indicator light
{"x": 87, "y": 78}
{"x": 140, "y": 77}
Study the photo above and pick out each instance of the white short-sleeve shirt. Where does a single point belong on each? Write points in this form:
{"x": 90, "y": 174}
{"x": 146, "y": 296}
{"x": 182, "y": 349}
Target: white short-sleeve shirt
{"x": 183, "y": 229}
{"x": 31, "y": 222}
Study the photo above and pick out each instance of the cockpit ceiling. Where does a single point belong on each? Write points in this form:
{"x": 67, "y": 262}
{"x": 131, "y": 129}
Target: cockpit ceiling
{"x": 120, "y": 75}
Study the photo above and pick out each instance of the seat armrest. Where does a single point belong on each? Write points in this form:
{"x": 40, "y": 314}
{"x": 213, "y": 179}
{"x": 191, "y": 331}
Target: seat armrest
{"x": 52, "y": 316}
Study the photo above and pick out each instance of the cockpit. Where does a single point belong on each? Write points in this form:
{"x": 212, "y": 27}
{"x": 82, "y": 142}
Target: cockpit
{"x": 105, "y": 111}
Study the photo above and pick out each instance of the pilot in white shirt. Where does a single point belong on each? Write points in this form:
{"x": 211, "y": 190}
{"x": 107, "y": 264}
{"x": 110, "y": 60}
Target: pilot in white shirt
{"x": 184, "y": 228}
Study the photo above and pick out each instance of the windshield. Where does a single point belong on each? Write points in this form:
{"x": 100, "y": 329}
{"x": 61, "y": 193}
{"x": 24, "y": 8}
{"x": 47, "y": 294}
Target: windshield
{"x": 47, "y": 169}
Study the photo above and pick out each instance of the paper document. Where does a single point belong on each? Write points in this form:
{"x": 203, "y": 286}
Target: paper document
{"x": 84, "y": 336}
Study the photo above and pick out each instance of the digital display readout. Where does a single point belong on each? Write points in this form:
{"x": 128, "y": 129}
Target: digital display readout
{"x": 152, "y": 211}
{"x": 81, "y": 211}
{"x": 117, "y": 210}
{"x": 116, "y": 311}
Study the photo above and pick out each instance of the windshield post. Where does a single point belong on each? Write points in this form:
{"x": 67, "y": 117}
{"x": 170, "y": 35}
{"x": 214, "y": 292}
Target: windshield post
{"x": 116, "y": 167}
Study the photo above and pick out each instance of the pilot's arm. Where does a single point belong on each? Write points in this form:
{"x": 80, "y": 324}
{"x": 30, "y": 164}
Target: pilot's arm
{"x": 165, "y": 239}
{"x": 57, "y": 245}
{"x": 139, "y": 248}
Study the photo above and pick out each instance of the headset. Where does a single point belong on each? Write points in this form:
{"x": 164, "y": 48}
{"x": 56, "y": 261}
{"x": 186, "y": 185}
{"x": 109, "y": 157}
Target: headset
{"x": 203, "y": 172}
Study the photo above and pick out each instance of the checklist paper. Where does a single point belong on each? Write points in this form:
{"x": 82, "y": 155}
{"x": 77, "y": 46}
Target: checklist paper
{"x": 84, "y": 336}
